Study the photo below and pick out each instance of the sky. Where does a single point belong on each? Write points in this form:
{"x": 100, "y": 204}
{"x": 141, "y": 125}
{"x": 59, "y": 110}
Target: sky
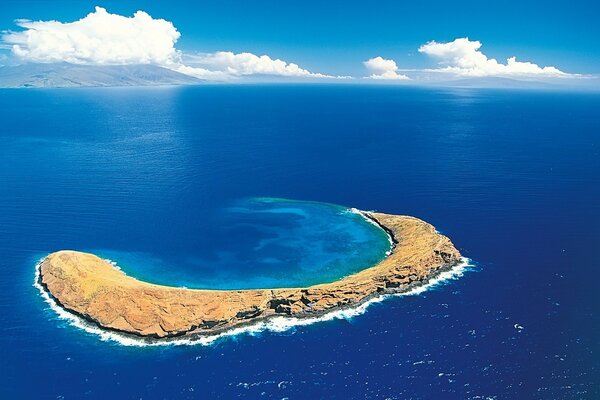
{"x": 386, "y": 40}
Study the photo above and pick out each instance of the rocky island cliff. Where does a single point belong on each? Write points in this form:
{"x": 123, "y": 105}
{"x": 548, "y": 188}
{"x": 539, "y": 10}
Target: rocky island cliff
{"x": 92, "y": 288}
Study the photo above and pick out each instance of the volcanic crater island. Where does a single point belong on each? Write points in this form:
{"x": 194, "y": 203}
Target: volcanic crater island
{"x": 94, "y": 289}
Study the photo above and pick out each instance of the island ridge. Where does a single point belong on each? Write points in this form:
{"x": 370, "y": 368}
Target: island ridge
{"x": 92, "y": 288}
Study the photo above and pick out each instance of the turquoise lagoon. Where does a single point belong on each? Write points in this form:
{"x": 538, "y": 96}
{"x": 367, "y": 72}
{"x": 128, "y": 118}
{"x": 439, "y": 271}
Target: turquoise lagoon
{"x": 265, "y": 242}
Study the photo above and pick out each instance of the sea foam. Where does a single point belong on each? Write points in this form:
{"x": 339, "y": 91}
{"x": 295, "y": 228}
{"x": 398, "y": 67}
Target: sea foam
{"x": 372, "y": 222}
{"x": 273, "y": 324}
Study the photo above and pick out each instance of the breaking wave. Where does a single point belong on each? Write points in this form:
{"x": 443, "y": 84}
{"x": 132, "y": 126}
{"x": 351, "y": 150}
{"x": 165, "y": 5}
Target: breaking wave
{"x": 273, "y": 324}
{"x": 372, "y": 222}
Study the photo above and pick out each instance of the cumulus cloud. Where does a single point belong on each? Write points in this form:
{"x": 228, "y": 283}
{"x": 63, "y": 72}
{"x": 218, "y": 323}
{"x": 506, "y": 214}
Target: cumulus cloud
{"x": 201, "y": 73}
{"x": 242, "y": 64}
{"x": 102, "y": 38}
{"x": 381, "y": 68}
{"x": 463, "y": 57}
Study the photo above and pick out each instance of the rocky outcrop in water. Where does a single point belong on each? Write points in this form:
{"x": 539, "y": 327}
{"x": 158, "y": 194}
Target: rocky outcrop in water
{"x": 97, "y": 291}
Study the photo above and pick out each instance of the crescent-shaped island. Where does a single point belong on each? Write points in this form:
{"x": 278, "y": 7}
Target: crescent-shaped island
{"x": 95, "y": 290}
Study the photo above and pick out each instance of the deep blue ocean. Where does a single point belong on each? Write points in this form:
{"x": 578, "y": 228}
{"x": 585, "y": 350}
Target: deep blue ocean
{"x": 246, "y": 186}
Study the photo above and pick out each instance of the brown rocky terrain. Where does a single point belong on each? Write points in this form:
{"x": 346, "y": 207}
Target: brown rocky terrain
{"x": 92, "y": 288}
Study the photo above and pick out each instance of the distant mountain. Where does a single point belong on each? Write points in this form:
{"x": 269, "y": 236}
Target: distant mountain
{"x": 71, "y": 75}
{"x": 591, "y": 83}
{"x": 498, "y": 82}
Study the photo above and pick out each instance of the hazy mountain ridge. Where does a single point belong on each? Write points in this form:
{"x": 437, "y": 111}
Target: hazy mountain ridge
{"x": 71, "y": 75}
{"x": 65, "y": 75}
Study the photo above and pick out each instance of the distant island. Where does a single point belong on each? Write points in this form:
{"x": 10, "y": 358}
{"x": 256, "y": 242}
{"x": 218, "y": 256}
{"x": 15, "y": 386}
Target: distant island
{"x": 65, "y": 75}
{"x": 94, "y": 289}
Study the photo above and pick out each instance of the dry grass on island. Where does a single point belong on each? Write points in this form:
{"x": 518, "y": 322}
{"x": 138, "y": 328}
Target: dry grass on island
{"x": 92, "y": 288}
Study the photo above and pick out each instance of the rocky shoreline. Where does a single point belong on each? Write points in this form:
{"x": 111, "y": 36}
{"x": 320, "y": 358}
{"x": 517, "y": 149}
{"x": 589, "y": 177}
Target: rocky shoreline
{"x": 94, "y": 290}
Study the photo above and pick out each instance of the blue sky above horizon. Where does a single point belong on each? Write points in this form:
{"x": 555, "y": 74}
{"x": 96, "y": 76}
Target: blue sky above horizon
{"x": 337, "y": 37}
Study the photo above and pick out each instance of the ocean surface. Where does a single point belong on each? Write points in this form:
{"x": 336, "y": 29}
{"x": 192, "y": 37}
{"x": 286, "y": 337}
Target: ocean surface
{"x": 250, "y": 186}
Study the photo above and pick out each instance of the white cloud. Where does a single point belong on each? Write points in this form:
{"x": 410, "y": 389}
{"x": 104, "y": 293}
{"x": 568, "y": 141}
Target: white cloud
{"x": 463, "y": 57}
{"x": 242, "y": 64}
{"x": 381, "y": 68}
{"x": 201, "y": 73}
{"x": 102, "y": 38}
